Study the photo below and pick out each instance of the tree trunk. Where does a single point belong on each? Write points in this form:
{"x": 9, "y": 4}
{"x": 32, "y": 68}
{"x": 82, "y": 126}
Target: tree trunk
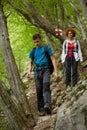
{"x": 80, "y": 21}
{"x": 16, "y": 85}
{"x": 14, "y": 115}
{"x": 84, "y": 7}
{"x": 62, "y": 15}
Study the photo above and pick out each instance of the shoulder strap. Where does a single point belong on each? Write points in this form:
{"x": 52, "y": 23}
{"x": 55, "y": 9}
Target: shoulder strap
{"x": 76, "y": 45}
{"x": 46, "y": 50}
{"x": 33, "y": 51}
{"x": 65, "y": 46}
{"x": 51, "y": 67}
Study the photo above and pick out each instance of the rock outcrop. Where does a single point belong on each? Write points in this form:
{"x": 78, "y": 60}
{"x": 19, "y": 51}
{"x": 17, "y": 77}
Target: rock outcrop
{"x": 72, "y": 115}
{"x": 69, "y": 109}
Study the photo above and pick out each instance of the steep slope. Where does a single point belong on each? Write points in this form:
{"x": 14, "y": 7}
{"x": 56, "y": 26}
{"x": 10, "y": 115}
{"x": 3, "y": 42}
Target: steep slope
{"x": 69, "y": 109}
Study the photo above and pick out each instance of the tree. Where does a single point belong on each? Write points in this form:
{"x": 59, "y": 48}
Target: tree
{"x": 46, "y": 17}
{"x": 70, "y": 13}
{"x": 84, "y": 7}
{"x": 31, "y": 14}
{"x": 15, "y": 106}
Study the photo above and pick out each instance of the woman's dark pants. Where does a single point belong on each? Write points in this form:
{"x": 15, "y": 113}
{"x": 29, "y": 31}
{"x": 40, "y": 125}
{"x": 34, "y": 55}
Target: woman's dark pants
{"x": 71, "y": 71}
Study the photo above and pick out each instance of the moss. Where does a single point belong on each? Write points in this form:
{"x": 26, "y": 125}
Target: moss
{"x": 76, "y": 90}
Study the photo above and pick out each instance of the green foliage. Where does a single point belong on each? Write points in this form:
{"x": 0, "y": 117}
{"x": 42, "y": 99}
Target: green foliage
{"x": 20, "y": 34}
{"x": 76, "y": 90}
{"x": 21, "y": 31}
{"x": 48, "y": 9}
{"x": 2, "y": 69}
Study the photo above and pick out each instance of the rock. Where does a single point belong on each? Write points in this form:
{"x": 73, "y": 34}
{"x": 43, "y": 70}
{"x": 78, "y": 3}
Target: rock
{"x": 45, "y": 123}
{"x": 74, "y": 117}
{"x": 69, "y": 109}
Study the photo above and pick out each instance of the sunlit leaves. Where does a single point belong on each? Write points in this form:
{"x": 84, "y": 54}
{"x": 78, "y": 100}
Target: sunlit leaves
{"x": 21, "y": 31}
{"x": 20, "y": 34}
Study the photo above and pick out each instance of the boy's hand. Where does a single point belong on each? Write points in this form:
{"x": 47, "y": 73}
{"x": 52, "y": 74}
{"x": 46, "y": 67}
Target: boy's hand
{"x": 56, "y": 76}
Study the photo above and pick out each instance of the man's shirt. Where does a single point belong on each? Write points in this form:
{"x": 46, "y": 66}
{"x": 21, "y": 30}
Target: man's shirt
{"x": 40, "y": 58}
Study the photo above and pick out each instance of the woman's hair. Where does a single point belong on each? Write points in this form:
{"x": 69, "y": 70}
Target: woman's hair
{"x": 70, "y": 30}
{"x": 36, "y": 36}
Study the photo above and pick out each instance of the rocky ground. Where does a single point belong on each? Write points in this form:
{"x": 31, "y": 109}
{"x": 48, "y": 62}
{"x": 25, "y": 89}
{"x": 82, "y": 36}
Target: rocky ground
{"x": 62, "y": 102}
{"x": 69, "y": 109}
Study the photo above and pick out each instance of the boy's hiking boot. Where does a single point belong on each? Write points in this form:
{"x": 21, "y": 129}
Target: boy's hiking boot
{"x": 42, "y": 112}
{"x": 47, "y": 110}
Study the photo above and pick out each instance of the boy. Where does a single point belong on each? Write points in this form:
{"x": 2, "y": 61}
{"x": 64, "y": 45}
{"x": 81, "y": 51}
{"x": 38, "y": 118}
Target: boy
{"x": 42, "y": 74}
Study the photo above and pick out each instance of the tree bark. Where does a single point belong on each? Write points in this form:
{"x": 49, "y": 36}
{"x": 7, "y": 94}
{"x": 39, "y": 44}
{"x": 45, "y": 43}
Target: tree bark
{"x": 14, "y": 115}
{"x": 84, "y": 7}
{"x": 80, "y": 21}
{"x": 16, "y": 85}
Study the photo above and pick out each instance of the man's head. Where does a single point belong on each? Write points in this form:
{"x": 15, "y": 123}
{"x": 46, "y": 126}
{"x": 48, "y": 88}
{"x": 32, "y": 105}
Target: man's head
{"x": 37, "y": 40}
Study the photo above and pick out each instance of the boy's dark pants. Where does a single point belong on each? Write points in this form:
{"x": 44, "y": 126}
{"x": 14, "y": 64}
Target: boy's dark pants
{"x": 42, "y": 81}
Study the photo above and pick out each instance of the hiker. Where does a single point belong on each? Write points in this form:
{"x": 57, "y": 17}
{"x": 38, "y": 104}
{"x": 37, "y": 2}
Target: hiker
{"x": 42, "y": 74}
{"x": 71, "y": 54}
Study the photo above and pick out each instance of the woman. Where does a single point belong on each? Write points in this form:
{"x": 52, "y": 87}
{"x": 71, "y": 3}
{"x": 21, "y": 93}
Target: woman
{"x": 71, "y": 54}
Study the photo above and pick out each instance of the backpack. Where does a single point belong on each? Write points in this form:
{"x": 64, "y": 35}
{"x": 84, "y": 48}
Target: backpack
{"x": 51, "y": 68}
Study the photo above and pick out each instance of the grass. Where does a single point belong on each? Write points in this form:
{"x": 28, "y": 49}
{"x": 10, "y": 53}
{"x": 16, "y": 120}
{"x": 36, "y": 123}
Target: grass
{"x": 76, "y": 90}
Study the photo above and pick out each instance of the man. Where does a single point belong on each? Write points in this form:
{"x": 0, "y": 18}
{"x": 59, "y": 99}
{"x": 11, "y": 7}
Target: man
{"x": 42, "y": 74}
